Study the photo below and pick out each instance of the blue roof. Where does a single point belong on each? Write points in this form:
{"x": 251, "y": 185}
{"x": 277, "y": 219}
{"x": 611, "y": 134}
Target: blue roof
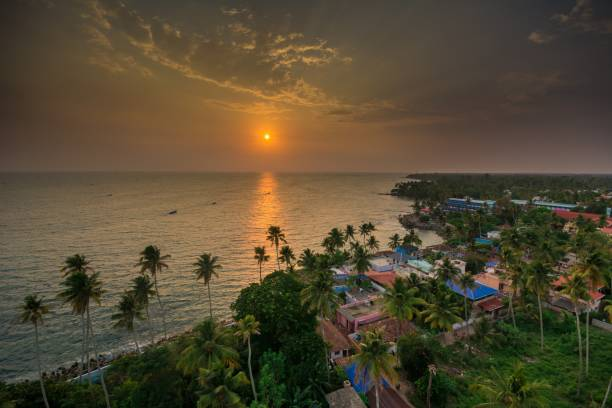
{"x": 479, "y": 291}
{"x": 491, "y": 264}
{"x": 552, "y": 204}
{"x": 364, "y": 383}
{"x": 483, "y": 241}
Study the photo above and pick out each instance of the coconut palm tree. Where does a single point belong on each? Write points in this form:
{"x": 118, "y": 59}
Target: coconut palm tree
{"x": 446, "y": 271}
{"x": 466, "y": 282}
{"x": 412, "y": 239}
{"x": 276, "y": 236}
{"x": 512, "y": 273}
{"x": 308, "y": 260}
{"x": 442, "y": 313}
{"x": 592, "y": 266}
{"x": 394, "y": 241}
{"x": 152, "y": 261}
{"x": 373, "y": 243}
{"x": 287, "y": 256}
{"x": 349, "y": 233}
{"x": 79, "y": 290}
{"x": 76, "y": 263}
{"x": 513, "y": 391}
{"x": 320, "y": 297}
{"x": 576, "y": 289}
{"x": 336, "y": 239}
{"x": 247, "y": 328}
{"x": 95, "y": 350}
{"x": 261, "y": 257}
{"x": 361, "y": 260}
{"x": 221, "y": 386}
{"x": 210, "y": 345}
{"x": 206, "y": 268}
{"x": 128, "y": 310}
{"x": 32, "y": 311}
{"x": 142, "y": 290}
{"x": 364, "y": 231}
{"x": 375, "y": 361}
{"x": 539, "y": 276}
{"x": 402, "y": 303}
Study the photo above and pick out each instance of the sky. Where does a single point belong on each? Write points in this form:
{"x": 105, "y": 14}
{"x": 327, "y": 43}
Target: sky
{"x": 346, "y": 85}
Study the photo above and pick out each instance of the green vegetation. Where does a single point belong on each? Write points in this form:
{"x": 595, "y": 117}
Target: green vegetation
{"x": 434, "y": 188}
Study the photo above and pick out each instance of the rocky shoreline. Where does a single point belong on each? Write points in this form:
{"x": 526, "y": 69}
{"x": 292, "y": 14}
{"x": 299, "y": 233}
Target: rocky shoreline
{"x": 413, "y": 221}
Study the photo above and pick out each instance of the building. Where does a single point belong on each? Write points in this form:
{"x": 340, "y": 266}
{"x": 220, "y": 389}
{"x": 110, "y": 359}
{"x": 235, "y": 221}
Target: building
{"x": 478, "y": 292}
{"x": 339, "y": 345}
{"x": 382, "y": 263}
{"x": 457, "y": 263}
{"x": 553, "y": 206}
{"x": 345, "y": 397}
{"x": 353, "y": 315}
{"x": 561, "y": 300}
{"x": 468, "y": 204}
{"x": 381, "y": 280}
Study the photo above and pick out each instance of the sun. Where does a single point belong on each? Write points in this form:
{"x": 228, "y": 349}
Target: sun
{"x": 266, "y": 137}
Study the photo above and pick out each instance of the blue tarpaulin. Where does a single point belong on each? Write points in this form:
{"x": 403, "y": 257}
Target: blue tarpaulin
{"x": 364, "y": 384}
{"x": 479, "y": 291}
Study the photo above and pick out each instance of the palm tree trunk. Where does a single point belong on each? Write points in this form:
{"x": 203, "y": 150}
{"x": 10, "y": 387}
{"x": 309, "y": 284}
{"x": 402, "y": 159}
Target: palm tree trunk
{"x": 251, "y": 370}
{"x": 260, "y": 281}
{"x": 151, "y": 332}
{"x": 579, "y": 349}
{"x": 277, "y": 258}
{"x": 429, "y": 389}
{"x": 136, "y": 341}
{"x": 87, "y": 348}
{"x": 512, "y": 309}
{"x": 541, "y": 323}
{"x": 377, "y": 396}
{"x": 40, "y": 377}
{"x": 587, "y": 341}
{"x": 603, "y": 404}
{"x": 325, "y": 353}
{"x": 82, "y": 348}
{"x": 161, "y": 306}
{"x": 209, "y": 301}
{"x": 95, "y": 349}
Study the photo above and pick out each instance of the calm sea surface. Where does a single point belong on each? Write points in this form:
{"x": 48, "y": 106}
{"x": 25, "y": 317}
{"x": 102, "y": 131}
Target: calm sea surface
{"x": 111, "y": 217}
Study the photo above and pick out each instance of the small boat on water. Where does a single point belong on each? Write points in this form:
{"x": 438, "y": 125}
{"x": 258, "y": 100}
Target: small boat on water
{"x": 173, "y": 212}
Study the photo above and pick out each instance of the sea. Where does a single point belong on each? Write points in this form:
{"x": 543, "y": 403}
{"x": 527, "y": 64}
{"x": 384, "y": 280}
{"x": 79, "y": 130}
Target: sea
{"x": 111, "y": 217}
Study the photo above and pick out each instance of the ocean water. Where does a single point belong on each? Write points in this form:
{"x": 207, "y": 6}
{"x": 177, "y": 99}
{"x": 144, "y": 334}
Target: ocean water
{"x": 111, "y": 217}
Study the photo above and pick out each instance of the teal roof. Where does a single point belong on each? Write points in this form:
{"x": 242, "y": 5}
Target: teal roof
{"x": 420, "y": 264}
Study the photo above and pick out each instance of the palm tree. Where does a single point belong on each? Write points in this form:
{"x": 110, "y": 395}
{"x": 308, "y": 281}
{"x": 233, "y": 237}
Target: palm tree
{"x": 320, "y": 297}
{"x": 361, "y": 260}
{"x": 592, "y": 267}
{"x": 206, "y": 268}
{"x": 365, "y": 230}
{"x": 79, "y": 290}
{"x": 513, "y": 274}
{"x": 374, "y": 360}
{"x": 142, "y": 290}
{"x": 373, "y": 243}
{"x": 128, "y": 310}
{"x": 210, "y": 345}
{"x": 446, "y": 271}
{"x": 336, "y": 239}
{"x": 394, "y": 241}
{"x": 514, "y": 391}
{"x": 247, "y": 328}
{"x": 221, "y": 385}
{"x": 287, "y": 256}
{"x": 412, "y": 239}
{"x": 152, "y": 261}
{"x": 76, "y": 263}
{"x": 466, "y": 281}
{"x": 276, "y": 236}
{"x": 95, "y": 350}
{"x": 401, "y": 302}
{"x": 576, "y": 290}
{"x": 442, "y": 313}
{"x": 539, "y": 276}
{"x": 261, "y": 257}
{"x": 32, "y": 311}
{"x": 431, "y": 369}
{"x": 349, "y": 233}
{"x": 308, "y": 260}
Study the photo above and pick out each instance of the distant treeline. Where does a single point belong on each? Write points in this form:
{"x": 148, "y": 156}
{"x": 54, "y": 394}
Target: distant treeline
{"x": 564, "y": 188}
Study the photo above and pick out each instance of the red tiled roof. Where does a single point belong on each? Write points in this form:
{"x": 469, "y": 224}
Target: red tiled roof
{"x": 606, "y": 230}
{"x": 594, "y": 294}
{"x": 382, "y": 278}
{"x": 333, "y": 336}
{"x": 572, "y": 215}
{"x": 491, "y": 304}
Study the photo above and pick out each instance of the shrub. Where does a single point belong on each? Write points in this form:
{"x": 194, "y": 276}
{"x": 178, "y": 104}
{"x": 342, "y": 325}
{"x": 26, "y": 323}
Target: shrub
{"x": 442, "y": 386}
{"x": 416, "y": 352}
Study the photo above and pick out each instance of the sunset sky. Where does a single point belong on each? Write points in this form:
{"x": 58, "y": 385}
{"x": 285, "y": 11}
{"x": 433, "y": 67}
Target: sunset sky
{"x": 407, "y": 85}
